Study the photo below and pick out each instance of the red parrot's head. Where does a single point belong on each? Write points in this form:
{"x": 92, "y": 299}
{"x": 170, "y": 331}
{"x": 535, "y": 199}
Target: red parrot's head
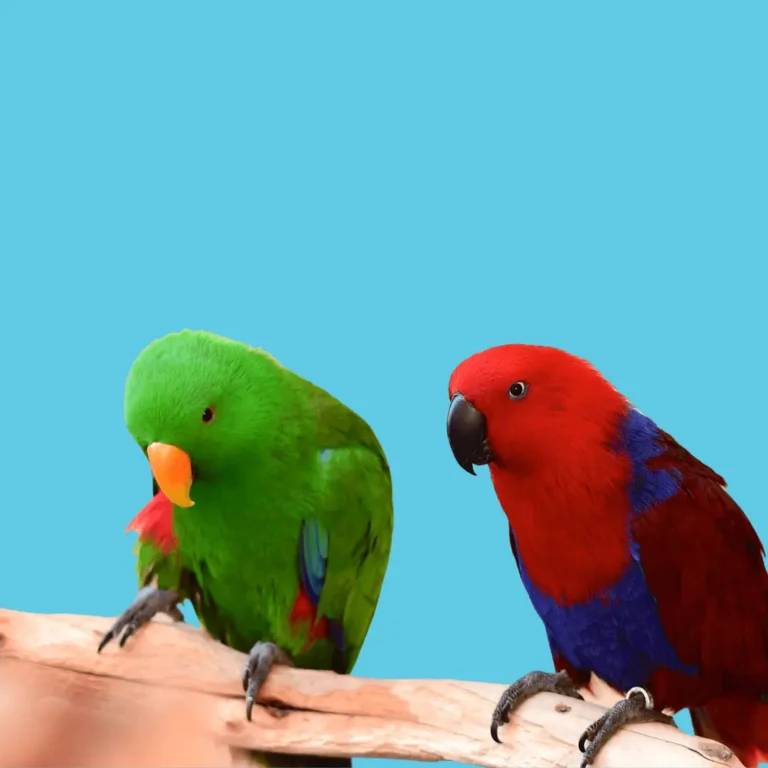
{"x": 523, "y": 407}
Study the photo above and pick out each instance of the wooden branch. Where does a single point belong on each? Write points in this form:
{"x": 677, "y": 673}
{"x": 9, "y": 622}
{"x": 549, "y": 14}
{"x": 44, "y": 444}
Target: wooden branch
{"x": 329, "y": 714}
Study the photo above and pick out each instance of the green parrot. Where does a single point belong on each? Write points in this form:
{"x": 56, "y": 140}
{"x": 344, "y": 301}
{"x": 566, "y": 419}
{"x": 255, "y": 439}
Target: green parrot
{"x": 271, "y": 511}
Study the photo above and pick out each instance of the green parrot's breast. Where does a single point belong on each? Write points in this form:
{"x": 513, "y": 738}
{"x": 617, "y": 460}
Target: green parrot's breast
{"x": 242, "y": 549}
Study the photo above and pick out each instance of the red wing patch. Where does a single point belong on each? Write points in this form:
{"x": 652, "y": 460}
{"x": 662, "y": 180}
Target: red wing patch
{"x": 304, "y": 614}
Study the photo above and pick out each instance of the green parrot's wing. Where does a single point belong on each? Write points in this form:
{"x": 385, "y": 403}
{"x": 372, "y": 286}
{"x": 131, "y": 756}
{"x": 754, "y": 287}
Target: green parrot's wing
{"x": 345, "y": 549}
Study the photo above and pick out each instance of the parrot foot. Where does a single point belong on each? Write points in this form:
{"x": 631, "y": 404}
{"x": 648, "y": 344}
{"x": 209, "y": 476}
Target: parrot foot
{"x": 149, "y": 602}
{"x": 524, "y": 688}
{"x": 261, "y": 659}
{"x": 636, "y": 707}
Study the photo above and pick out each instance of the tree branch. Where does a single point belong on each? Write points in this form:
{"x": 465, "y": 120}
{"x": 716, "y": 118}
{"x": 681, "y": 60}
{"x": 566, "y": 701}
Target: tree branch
{"x": 328, "y": 714}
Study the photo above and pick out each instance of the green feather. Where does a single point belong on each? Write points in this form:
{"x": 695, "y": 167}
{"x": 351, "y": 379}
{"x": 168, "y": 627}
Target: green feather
{"x": 280, "y": 452}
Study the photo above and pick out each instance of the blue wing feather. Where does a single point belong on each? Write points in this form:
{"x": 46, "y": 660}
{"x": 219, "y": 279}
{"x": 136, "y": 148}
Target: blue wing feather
{"x": 313, "y": 558}
{"x": 313, "y": 562}
{"x": 639, "y": 439}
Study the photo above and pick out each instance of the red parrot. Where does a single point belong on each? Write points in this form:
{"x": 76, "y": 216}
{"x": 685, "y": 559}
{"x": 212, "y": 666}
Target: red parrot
{"x": 642, "y": 567}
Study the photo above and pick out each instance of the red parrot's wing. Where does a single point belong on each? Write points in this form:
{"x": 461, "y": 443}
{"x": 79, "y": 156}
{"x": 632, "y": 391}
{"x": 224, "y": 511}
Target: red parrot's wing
{"x": 703, "y": 562}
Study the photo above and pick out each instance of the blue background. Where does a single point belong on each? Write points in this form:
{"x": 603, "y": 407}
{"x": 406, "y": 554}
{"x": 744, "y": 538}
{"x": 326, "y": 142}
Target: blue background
{"x": 372, "y": 192}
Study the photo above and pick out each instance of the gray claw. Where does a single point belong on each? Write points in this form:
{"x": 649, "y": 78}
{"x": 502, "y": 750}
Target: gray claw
{"x": 637, "y": 707}
{"x": 524, "y": 688}
{"x": 149, "y": 602}
{"x": 262, "y": 658}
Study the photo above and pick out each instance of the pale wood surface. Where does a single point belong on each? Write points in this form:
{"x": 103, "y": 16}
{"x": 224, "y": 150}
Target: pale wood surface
{"x": 179, "y": 671}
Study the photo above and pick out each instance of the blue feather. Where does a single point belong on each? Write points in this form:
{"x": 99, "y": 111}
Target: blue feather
{"x": 313, "y": 558}
{"x": 313, "y": 562}
{"x": 639, "y": 439}
{"x": 618, "y": 634}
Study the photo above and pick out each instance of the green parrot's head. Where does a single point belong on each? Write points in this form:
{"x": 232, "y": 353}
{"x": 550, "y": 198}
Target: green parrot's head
{"x": 199, "y": 404}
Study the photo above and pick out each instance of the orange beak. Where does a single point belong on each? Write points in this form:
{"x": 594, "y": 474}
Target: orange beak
{"x": 172, "y": 469}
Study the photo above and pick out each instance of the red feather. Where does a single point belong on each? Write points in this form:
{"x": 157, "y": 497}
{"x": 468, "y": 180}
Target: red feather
{"x": 304, "y": 614}
{"x": 155, "y": 523}
{"x": 701, "y": 557}
{"x": 740, "y": 723}
{"x": 528, "y": 438}
{"x": 703, "y": 561}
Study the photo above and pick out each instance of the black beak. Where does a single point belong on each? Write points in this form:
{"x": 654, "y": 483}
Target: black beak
{"x": 467, "y": 435}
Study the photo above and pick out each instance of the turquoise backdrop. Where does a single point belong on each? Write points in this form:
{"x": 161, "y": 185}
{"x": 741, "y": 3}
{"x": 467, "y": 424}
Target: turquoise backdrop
{"x": 373, "y": 191}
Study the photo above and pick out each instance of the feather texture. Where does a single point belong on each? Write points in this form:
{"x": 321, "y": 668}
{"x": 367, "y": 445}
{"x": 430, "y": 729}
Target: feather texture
{"x": 288, "y": 539}
{"x": 642, "y": 567}
{"x": 313, "y": 558}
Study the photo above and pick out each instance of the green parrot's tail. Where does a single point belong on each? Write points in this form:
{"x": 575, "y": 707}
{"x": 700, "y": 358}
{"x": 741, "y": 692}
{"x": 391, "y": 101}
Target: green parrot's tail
{"x": 274, "y": 760}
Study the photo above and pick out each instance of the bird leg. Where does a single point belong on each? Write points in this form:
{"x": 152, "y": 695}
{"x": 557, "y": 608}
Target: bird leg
{"x": 261, "y": 659}
{"x": 149, "y": 602}
{"x": 637, "y": 707}
{"x": 524, "y": 688}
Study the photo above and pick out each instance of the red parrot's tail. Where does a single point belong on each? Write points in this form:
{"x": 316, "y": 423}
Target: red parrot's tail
{"x": 741, "y": 724}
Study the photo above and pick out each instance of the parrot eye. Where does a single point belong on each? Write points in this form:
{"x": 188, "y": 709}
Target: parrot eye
{"x": 517, "y": 390}
{"x": 208, "y": 415}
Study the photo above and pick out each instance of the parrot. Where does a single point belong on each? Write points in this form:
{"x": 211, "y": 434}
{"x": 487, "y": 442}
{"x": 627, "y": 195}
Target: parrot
{"x": 643, "y": 569}
{"x": 271, "y": 509}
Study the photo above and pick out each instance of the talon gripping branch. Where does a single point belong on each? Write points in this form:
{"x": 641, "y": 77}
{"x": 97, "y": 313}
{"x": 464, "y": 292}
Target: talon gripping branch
{"x": 272, "y": 508}
{"x": 641, "y": 566}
